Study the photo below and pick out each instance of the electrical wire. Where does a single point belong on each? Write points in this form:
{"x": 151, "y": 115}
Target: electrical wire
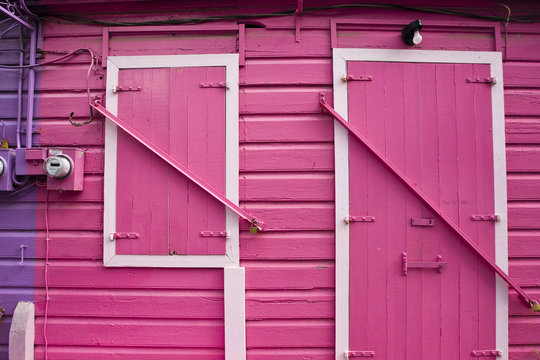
{"x": 86, "y": 20}
{"x": 47, "y": 240}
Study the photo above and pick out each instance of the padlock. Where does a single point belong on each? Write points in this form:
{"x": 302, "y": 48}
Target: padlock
{"x": 253, "y": 228}
{"x": 535, "y": 306}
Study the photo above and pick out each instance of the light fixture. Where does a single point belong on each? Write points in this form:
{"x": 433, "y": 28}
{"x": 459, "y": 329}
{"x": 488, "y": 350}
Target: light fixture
{"x": 411, "y": 33}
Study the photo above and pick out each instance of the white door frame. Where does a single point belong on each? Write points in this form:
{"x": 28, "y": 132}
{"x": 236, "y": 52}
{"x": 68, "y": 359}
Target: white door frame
{"x": 341, "y": 143}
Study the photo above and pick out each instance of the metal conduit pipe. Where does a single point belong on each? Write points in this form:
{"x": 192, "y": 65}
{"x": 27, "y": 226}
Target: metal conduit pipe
{"x": 19, "y": 89}
{"x": 31, "y": 86}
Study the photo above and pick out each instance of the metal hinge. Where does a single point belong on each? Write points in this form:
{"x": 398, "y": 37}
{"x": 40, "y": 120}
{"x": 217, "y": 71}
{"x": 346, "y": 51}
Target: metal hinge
{"x": 422, "y": 222}
{"x": 351, "y": 219}
{"x": 482, "y": 353}
{"x": 124, "y": 235}
{"x": 485, "y": 80}
{"x": 118, "y": 88}
{"x": 353, "y": 354}
{"x": 220, "y": 84}
{"x": 486, "y": 217}
{"x": 224, "y": 234}
{"x": 439, "y": 265}
{"x": 350, "y": 77}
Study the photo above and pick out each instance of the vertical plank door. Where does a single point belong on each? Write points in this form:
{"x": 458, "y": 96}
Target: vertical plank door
{"x": 180, "y": 114}
{"x": 437, "y": 129}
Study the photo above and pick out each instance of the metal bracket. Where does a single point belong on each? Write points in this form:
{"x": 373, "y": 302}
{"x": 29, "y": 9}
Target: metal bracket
{"x": 224, "y": 234}
{"x": 486, "y": 217}
{"x": 439, "y": 265}
{"x": 220, "y": 84}
{"x": 485, "y": 80}
{"x": 21, "y": 263}
{"x": 482, "y": 353}
{"x": 116, "y": 89}
{"x": 353, "y": 354}
{"x": 124, "y": 235}
{"x": 350, "y": 77}
{"x": 422, "y": 222}
{"x": 351, "y": 219}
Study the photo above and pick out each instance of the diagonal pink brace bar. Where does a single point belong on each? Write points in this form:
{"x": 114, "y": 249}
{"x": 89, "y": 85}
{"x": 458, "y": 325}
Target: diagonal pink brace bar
{"x": 255, "y": 222}
{"x": 454, "y": 227}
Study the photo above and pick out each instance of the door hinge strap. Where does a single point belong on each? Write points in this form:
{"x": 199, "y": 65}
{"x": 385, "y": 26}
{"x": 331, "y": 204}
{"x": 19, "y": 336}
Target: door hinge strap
{"x": 124, "y": 235}
{"x": 220, "y": 84}
{"x": 176, "y": 165}
{"x": 482, "y": 353}
{"x": 355, "y": 354}
{"x": 350, "y": 77}
{"x": 420, "y": 194}
{"x": 486, "y": 217}
{"x": 478, "y": 79}
{"x": 224, "y": 234}
{"x": 116, "y": 89}
{"x": 351, "y": 219}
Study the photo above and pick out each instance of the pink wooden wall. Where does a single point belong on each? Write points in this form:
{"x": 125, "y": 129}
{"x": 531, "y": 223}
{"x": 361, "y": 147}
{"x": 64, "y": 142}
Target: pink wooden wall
{"x": 286, "y": 178}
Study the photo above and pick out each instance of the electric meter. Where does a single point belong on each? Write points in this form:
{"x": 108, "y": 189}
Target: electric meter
{"x": 58, "y": 166}
{"x": 2, "y": 166}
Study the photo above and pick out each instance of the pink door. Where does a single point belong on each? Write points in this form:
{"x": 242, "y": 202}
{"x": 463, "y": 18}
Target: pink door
{"x": 182, "y": 110}
{"x": 416, "y": 291}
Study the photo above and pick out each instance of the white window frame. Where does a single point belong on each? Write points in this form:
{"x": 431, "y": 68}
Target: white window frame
{"x": 234, "y": 275}
{"x": 341, "y": 138}
{"x": 232, "y": 252}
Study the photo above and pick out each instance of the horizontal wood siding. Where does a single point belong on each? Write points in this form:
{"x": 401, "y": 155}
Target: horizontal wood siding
{"x": 286, "y": 178}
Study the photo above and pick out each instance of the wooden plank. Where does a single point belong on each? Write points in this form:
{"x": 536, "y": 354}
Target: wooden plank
{"x": 291, "y": 354}
{"x": 307, "y": 304}
{"x": 287, "y": 187}
{"x": 289, "y": 275}
{"x": 516, "y": 306}
{"x": 277, "y": 71}
{"x": 282, "y": 100}
{"x": 524, "y": 243}
{"x": 525, "y": 271}
{"x": 521, "y": 74}
{"x": 522, "y": 102}
{"x": 522, "y": 131}
{"x": 284, "y": 333}
{"x": 287, "y": 157}
{"x": 173, "y": 44}
{"x": 523, "y": 158}
{"x": 62, "y": 216}
{"x": 524, "y": 215}
{"x": 128, "y": 353}
{"x": 523, "y": 186}
{"x": 70, "y": 77}
{"x": 291, "y": 216}
{"x": 283, "y": 128}
{"x": 117, "y": 303}
{"x": 128, "y": 332}
{"x": 89, "y": 245}
{"x": 439, "y": 39}
{"x": 92, "y": 275}
{"x": 521, "y": 46}
{"x": 262, "y": 43}
{"x": 524, "y": 352}
{"x": 287, "y": 245}
{"x": 524, "y": 330}
{"x": 61, "y": 133}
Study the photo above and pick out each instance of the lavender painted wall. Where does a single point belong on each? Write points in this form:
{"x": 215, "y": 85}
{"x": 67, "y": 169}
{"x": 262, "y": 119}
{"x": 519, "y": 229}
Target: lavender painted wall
{"x": 17, "y": 209}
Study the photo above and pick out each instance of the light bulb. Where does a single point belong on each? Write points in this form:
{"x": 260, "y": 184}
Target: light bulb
{"x": 417, "y": 38}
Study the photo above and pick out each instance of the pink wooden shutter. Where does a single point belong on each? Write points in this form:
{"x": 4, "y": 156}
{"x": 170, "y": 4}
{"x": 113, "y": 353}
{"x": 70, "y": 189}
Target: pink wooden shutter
{"x": 436, "y": 128}
{"x": 186, "y": 120}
